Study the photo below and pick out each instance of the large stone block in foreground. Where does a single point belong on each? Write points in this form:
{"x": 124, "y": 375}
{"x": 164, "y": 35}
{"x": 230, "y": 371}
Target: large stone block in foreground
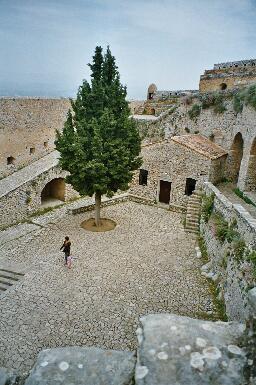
{"x": 7, "y": 377}
{"x": 178, "y": 350}
{"x": 82, "y": 366}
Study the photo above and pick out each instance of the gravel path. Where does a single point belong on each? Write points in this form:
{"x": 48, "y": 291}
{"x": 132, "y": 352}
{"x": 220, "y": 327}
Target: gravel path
{"x": 145, "y": 265}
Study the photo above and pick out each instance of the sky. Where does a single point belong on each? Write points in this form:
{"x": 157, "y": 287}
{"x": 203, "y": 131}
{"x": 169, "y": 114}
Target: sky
{"x": 46, "y": 44}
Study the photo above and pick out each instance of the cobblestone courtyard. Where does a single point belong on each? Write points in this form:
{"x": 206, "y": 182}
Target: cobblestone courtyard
{"x": 145, "y": 265}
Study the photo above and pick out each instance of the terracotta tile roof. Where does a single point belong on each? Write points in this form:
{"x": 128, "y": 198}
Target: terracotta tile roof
{"x": 200, "y": 144}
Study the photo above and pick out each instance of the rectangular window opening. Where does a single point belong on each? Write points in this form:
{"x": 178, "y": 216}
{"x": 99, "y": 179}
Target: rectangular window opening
{"x": 143, "y": 177}
{"x": 32, "y": 150}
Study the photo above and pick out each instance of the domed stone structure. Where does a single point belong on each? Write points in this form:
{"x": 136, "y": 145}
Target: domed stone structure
{"x": 151, "y": 90}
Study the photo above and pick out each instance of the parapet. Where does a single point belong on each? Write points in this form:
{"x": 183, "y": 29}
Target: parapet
{"x": 228, "y": 76}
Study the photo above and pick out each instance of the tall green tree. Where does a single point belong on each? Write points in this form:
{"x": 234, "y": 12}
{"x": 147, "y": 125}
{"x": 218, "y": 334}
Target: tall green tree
{"x": 100, "y": 144}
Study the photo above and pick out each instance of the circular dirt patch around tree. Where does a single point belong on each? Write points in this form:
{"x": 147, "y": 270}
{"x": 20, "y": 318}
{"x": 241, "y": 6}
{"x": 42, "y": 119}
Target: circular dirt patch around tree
{"x": 106, "y": 225}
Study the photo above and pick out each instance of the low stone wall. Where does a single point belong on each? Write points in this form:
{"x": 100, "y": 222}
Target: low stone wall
{"x": 233, "y": 277}
{"x": 18, "y": 201}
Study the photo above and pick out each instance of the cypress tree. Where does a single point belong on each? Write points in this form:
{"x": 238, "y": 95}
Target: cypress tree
{"x": 100, "y": 145}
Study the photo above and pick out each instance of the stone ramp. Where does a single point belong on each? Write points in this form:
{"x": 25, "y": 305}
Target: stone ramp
{"x": 30, "y": 172}
{"x": 181, "y": 350}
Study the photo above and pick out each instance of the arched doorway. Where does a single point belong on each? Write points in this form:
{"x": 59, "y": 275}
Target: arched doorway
{"x": 53, "y": 192}
{"x": 250, "y": 181}
{"x": 235, "y": 157}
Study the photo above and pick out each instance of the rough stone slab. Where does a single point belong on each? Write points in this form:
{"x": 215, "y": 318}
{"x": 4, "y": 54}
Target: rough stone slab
{"x": 181, "y": 350}
{"x": 7, "y": 377}
{"x": 78, "y": 366}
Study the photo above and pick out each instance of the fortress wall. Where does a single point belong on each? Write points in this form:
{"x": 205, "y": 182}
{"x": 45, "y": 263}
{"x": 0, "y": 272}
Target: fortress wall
{"x": 28, "y": 123}
{"x": 214, "y": 84}
{"x": 234, "y": 278}
{"x": 20, "y": 203}
{"x": 221, "y": 128}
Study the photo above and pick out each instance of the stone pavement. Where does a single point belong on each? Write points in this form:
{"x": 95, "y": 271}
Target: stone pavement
{"x": 145, "y": 265}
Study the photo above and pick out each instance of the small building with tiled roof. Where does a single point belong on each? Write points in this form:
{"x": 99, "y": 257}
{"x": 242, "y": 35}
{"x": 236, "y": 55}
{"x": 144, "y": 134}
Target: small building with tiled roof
{"x": 174, "y": 168}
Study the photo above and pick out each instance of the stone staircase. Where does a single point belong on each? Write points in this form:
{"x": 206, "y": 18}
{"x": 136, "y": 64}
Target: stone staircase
{"x": 193, "y": 212}
{"x": 140, "y": 110}
{"x": 8, "y": 278}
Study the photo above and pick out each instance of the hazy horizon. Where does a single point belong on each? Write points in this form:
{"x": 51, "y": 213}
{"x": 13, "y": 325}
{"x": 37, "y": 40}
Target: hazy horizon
{"x": 46, "y": 44}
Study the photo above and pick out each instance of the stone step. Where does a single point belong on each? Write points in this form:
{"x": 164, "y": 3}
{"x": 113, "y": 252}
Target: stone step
{"x": 6, "y": 281}
{"x": 8, "y": 276}
{"x": 195, "y": 205}
{"x": 192, "y": 223}
{"x": 192, "y": 231}
{"x": 193, "y": 209}
{"x": 192, "y": 226}
{"x": 12, "y": 273}
{"x": 3, "y": 287}
{"x": 194, "y": 198}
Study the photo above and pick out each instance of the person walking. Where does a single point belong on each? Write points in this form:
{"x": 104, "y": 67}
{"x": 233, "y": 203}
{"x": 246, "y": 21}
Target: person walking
{"x": 66, "y": 248}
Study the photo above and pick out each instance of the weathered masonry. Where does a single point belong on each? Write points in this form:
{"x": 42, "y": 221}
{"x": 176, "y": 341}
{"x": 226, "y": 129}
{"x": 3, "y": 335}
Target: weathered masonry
{"x": 32, "y": 188}
{"x": 228, "y": 76}
{"x": 172, "y": 169}
{"x": 27, "y": 130}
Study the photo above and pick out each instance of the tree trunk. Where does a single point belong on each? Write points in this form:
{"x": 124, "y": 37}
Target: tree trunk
{"x": 97, "y": 208}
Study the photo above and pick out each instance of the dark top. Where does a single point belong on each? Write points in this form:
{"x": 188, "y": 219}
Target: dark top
{"x": 66, "y": 247}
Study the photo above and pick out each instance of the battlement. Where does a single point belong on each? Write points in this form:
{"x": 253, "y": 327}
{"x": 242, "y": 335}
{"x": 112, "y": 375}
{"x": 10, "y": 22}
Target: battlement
{"x": 235, "y": 64}
{"x": 230, "y": 75}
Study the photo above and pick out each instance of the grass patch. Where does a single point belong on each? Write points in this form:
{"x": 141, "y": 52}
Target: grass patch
{"x": 215, "y": 100}
{"x": 245, "y": 198}
{"x": 218, "y": 303}
{"x": 194, "y": 111}
{"x": 207, "y": 207}
{"x": 251, "y": 257}
{"x": 246, "y": 97}
{"x": 239, "y": 249}
{"x": 224, "y": 229}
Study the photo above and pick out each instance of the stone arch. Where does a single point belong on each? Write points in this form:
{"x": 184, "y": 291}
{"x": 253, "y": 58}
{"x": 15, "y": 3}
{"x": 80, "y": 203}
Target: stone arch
{"x": 250, "y": 180}
{"x": 53, "y": 191}
{"x": 235, "y": 157}
{"x": 151, "y": 90}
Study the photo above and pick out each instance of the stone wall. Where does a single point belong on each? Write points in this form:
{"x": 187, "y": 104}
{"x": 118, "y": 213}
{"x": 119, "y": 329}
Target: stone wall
{"x": 218, "y": 127}
{"x": 20, "y": 200}
{"x": 228, "y": 76}
{"x": 174, "y": 163}
{"x": 27, "y": 130}
{"x": 234, "y": 277}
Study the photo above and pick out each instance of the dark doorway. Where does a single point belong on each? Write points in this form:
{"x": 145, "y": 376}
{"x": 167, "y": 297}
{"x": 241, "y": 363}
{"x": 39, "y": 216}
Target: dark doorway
{"x": 150, "y": 95}
{"x": 143, "y": 177}
{"x": 190, "y": 186}
{"x": 164, "y": 192}
{"x": 53, "y": 191}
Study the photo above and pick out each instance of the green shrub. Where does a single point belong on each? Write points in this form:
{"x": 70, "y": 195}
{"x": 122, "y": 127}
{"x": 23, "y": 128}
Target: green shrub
{"x": 251, "y": 257}
{"x": 219, "y": 106}
{"x": 250, "y": 96}
{"x": 215, "y": 100}
{"x": 238, "y": 104}
{"x": 221, "y": 228}
{"x": 194, "y": 111}
{"x": 207, "y": 206}
{"x": 246, "y": 96}
{"x": 241, "y": 195}
{"x": 239, "y": 249}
